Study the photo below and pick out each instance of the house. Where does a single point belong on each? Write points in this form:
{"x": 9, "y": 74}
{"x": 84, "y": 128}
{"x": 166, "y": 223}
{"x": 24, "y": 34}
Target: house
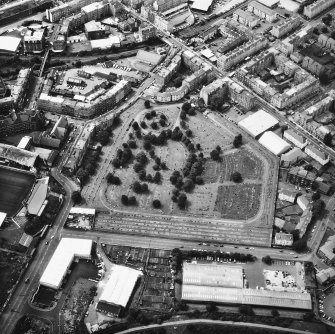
{"x": 303, "y": 202}
{"x": 325, "y": 275}
{"x": 287, "y": 195}
{"x": 283, "y": 239}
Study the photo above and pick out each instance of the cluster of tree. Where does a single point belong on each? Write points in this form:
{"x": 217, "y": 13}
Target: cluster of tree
{"x": 236, "y": 177}
{"x": 76, "y": 197}
{"x": 187, "y": 109}
{"x": 151, "y": 139}
{"x": 123, "y": 157}
{"x": 215, "y": 154}
{"x": 267, "y": 260}
{"x": 82, "y": 175}
{"x": 159, "y": 164}
{"x": 150, "y": 114}
{"x": 112, "y": 179}
{"x": 179, "y": 198}
{"x": 193, "y": 169}
{"x": 34, "y": 225}
{"x": 147, "y": 103}
{"x": 102, "y": 135}
{"x": 327, "y": 19}
{"x": 125, "y": 200}
{"x": 324, "y": 78}
{"x": 318, "y": 207}
{"x": 239, "y": 257}
{"x": 237, "y": 141}
{"x": 300, "y": 245}
{"x": 140, "y": 188}
{"x": 218, "y": 99}
{"x": 176, "y": 260}
{"x": 328, "y": 139}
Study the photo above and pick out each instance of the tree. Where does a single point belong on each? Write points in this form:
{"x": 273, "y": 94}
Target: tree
{"x": 144, "y": 188}
{"x": 132, "y": 200}
{"x": 153, "y": 113}
{"x": 317, "y": 207}
{"x": 33, "y": 225}
{"x": 324, "y": 78}
{"x": 183, "y": 115}
{"x": 300, "y": 245}
{"x": 132, "y": 144}
{"x": 82, "y": 175}
{"x": 154, "y": 125}
{"x": 316, "y": 196}
{"x": 275, "y": 313}
{"x": 267, "y": 260}
{"x": 76, "y": 197}
{"x": 163, "y": 165}
{"x": 157, "y": 177}
{"x": 211, "y": 307}
{"x": 162, "y": 122}
{"x": 246, "y": 310}
{"x": 147, "y": 145}
{"x": 199, "y": 180}
{"x": 328, "y": 139}
{"x": 135, "y": 125}
{"x": 143, "y": 125}
{"x": 147, "y": 103}
{"x": 186, "y": 106}
{"x": 236, "y": 177}
{"x": 103, "y": 137}
{"x": 124, "y": 199}
{"x": 189, "y": 133}
{"x": 215, "y": 155}
{"x": 237, "y": 141}
{"x": 182, "y": 199}
{"x": 296, "y": 235}
{"x": 156, "y": 203}
{"x": 137, "y": 187}
{"x": 324, "y": 30}
{"x": 188, "y": 185}
{"x": 90, "y": 168}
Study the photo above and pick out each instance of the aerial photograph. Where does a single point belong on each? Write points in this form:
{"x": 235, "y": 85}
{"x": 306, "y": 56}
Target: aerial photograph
{"x": 167, "y": 166}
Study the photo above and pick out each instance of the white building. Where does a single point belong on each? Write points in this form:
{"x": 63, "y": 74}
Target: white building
{"x": 25, "y": 143}
{"x": 274, "y": 143}
{"x": 258, "y": 123}
{"x": 120, "y": 286}
{"x": 295, "y": 138}
{"x": 66, "y": 252}
{"x": 317, "y": 155}
{"x": 303, "y": 202}
{"x": 262, "y": 11}
{"x": 3, "y": 216}
{"x": 285, "y": 27}
{"x": 283, "y": 239}
{"x": 287, "y": 195}
{"x": 325, "y": 275}
{"x": 245, "y": 18}
{"x": 317, "y": 7}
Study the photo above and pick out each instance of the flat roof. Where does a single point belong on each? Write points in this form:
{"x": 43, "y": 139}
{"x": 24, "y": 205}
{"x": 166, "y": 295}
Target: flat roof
{"x": 202, "y": 5}
{"x": 274, "y": 143}
{"x": 37, "y": 198}
{"x": 3, "y": 216}
{"x": 66, "y": 251}
{"x": 17, "y": 155}
{"x": 268, "y": 3}
{"x": 211, "y": 274}
{"x": 258, "y": 123}
{"x": 120, "y": 285}
{"x": 296, "y": 300}
{"x": 148, "y": 57}
{"x": 9, "y": 43}
{"x": 24, "y": 142}
{"x": 82, "y": 211}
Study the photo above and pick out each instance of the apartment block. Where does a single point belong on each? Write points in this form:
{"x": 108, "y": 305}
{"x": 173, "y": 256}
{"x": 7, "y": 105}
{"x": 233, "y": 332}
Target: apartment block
{"x": 316, "y": 154}
{"x": 285, "y": 27}
{"x": 317, "y": 7}
{"x": 209, "y": 90}
{"x": 146, "y": 31}
{"x": 246, "y": 18}
{"x": 262, "y": 11}
{"x": 33, "y": 42}
{"x": 295, "y": 138}
{"x": 237, "y": 55}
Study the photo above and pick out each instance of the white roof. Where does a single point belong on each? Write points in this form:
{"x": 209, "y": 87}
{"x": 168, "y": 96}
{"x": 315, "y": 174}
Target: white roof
{"x": 9, "y": 43}
{"x": 24, "y": 142}
{"x": 120, "y": 285}
{"x": 82, "y": 211}
{"x": 202, "y": 5}
{"x": 62, "y": 258}
{"x": 3, "y": 216}
{"x": 258, "y": 123}
{"x": 274, "y": 143}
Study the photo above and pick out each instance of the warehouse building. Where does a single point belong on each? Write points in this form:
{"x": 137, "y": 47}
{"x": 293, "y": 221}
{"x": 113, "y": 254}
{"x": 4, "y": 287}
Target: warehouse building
{"x": 224, "y": 284}
{"x": 118, "y": 290}
{"x": 257, "y": 123}
{"x": 274, "y": 143}
{"x": 66, "y": 252}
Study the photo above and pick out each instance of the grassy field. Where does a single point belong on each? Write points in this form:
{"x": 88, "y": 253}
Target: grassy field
{"x": 15, "y": 186}
{"x": 11, "y": 267}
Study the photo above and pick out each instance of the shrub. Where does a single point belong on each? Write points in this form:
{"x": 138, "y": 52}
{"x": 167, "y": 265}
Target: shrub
{"x": 156, "y": 204}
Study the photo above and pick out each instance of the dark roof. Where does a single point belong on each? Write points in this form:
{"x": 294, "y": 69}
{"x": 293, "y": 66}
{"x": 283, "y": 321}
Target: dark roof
{"x": 109, "y": 308}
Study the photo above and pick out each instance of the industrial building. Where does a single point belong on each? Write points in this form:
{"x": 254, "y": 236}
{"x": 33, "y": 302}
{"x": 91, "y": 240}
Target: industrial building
{"x": 274, "y": 143}
{"x": 67, "y": 251}
{"x": 117, "y": 291}
{"x": 257, "y": 123}
{"x": 9, "y": 44}
{"x": 225, "y": 286}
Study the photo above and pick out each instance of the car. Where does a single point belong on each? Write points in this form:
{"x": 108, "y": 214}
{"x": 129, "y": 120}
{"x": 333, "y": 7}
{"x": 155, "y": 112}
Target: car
{"x": 235, "y": 246}
{"x": 46, "y": 242}
{"x": 292, "y": 253}
{"x": 281, "y": 251}
{"x": 26, "y": 280}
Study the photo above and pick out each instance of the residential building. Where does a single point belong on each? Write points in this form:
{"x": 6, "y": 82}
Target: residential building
{"x": 287, "y": 195}
{"x": 327, "y": 249}
{"x": 146, "y": 31}
{"x": 295, "y": 138}
{"x": 209, "y": 90}
{"x": 325, "y": 275}
{"x": 291, "y": 43}
{"x": 33, "y": 41}
{"x": 232, "y": 37}
{"x": 303, "y": 202}
{"x": 285, "y": 26}
{"x": 317, "y": 7}
{"x": 317, "y": 155}
{"x": 301, "y": 177}
{"x": 304, "y": 221}
{"x": 94, "y": 30}
{"x": 321, "y": 106}
{"x": 239, "y": 54}
{"x": 283, "y": 239}
{"x": 245, "y": 18}
{"x": 262, "y": 11}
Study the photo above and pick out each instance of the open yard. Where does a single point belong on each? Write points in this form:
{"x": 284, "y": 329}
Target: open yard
{"x": 15, "y": 185}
